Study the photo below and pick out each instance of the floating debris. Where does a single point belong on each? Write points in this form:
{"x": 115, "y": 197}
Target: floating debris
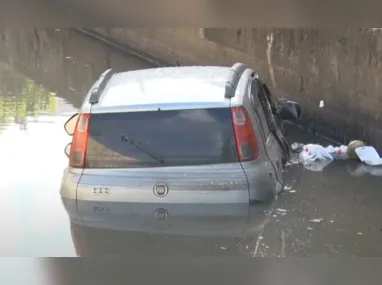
{"x": 223, "y": 248}
{"x": 297, "y": 147}
{"x": 317, "y": 221}
{"x": 310, "y": 229}
{"x": 281, "y": 210}
{"x": 360, "y": 234}
{"x": 292, "y": 161}
{"x": 287, "y": 187}
{"x": 321, "y": 103}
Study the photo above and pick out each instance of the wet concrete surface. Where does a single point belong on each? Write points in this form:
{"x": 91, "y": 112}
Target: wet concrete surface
{"x": 44, "y": 74}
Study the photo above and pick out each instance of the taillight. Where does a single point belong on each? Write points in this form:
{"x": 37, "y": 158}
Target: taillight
{"x": 246, "y": 141}
{"x": 80, "y": 141}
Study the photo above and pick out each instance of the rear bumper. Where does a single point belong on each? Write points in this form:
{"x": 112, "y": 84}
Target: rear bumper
{"x": 147, "y": 195}
{"x": 262, "y": 181}
{"x": 233, "y": 191}
{"x": 203, "y": 184}
{"x": 72, "y": 189}
{"x": 69, "y": 182}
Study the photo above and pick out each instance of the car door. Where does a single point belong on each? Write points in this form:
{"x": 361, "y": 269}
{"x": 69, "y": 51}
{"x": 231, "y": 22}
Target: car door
{"x": 276, "y": 123}
{"x": 263, "y": 109}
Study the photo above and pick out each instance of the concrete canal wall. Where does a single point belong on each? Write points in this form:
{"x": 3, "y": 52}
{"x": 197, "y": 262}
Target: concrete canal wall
{"x": 62, "y": 61}
{"x": 341, "y": 67}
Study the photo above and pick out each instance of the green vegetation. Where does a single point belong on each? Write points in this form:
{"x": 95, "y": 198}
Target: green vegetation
{"x": 21, "y": 97}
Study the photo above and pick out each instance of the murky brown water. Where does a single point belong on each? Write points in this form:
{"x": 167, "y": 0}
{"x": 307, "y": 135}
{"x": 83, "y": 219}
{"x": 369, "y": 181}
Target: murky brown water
{"x": 43, "y": 78}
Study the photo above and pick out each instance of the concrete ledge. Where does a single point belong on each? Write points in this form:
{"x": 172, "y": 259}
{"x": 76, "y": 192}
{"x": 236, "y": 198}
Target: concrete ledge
{"x": 122, "y": 47}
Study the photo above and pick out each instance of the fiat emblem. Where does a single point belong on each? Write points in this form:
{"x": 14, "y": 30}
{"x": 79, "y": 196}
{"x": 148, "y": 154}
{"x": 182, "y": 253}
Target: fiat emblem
{"x": 161, "y": 215}
{"x": 160, "y": 190}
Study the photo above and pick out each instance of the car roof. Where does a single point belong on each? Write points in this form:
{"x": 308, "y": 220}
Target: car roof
{"x": 167, "y": 85}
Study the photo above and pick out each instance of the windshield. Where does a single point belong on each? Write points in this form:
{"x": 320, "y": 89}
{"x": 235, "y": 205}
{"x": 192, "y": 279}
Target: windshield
{"x": 161, "y": 138}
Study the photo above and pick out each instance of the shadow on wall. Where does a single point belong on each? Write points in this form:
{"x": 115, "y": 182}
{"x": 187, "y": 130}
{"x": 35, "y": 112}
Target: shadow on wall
{"x": 340, "y": 67}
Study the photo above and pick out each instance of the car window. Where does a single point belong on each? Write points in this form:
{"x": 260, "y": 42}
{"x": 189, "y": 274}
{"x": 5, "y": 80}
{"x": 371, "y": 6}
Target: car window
{"x": 161, "y": 138}
{"x": 265, "y": 103}
{"x": 259, "y": 106}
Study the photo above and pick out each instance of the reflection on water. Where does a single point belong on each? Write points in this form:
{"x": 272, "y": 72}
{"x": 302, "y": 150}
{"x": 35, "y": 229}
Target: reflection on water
{"x": 122, "y": 229}
{"x": 21, "y": 99}
{"x": 31, "y": 162}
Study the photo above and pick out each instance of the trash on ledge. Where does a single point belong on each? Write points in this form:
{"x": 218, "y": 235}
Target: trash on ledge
{"x": 368, "y": 155}
{"x": 297, "y": 147}
{"x": 316, "y": 157}
{"x": 352, "y": 146}
{"x": 313, "y": 152}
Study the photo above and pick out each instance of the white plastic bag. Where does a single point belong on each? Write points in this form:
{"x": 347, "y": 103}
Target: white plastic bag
{"x": 369, "y": 155}
{"x": 339, "y": 152}
{"x": 313, "y": 152}
{"x": 315, "y": 157}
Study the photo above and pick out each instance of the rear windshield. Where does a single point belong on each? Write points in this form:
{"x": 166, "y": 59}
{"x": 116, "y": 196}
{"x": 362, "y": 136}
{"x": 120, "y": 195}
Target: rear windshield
{"x": 161, "y": 138}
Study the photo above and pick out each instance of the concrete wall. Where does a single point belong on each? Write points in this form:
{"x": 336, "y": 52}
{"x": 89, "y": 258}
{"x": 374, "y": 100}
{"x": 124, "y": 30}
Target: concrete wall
{"x": 63, "y": 61}
{"x": 341, "y": 67}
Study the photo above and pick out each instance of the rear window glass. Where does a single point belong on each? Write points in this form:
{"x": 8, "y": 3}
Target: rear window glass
{"x": 161, "y": 138}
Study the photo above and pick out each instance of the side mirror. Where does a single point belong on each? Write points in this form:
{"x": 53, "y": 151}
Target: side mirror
{"x": 70, "y": 124}
{"x": 67, "y": 149}
{"x": 288, "y": 110}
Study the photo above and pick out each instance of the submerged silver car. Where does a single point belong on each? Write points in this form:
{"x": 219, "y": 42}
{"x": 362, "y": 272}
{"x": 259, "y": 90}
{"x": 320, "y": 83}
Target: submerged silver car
{"x": 200, "y": 134}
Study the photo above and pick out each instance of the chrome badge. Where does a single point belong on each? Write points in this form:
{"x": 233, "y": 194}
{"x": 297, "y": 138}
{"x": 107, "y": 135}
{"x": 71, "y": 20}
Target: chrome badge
{"x": 160, "y": 215}
{"x": 160, "y": 190}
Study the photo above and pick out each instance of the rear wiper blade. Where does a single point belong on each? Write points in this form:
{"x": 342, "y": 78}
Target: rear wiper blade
{"x": 127, "y": 138}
